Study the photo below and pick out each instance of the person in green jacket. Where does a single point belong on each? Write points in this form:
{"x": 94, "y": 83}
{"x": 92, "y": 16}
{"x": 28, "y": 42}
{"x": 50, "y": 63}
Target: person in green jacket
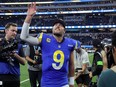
{"x": 108, "y": 77}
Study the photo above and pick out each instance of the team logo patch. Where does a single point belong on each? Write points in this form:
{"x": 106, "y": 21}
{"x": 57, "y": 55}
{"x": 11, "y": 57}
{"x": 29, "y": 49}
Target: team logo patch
{"x": 48, "y": 40}
{"x": 59, "y": 46}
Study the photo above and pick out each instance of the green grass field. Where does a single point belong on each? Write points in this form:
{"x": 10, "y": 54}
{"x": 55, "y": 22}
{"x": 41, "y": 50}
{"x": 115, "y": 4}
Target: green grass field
{"x": 25, "y": 79}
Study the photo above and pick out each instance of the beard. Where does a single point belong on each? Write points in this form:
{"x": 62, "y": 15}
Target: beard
{"x": 58, "y": 35}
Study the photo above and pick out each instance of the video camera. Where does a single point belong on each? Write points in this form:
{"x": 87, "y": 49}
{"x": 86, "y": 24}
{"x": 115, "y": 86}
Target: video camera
{"x": 107, "y": 45}
{"x": 6, "y": 49}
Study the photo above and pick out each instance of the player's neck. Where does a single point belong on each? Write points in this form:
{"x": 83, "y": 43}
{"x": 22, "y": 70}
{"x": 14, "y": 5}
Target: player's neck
{"x": 59, "y": 39}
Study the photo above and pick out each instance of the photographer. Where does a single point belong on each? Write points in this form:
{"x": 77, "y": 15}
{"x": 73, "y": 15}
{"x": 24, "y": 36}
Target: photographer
{"x": 107, "y": 45}
{"x": 11, "y": 54}
{"x": 99, "y": 60}
{"x": 34, "y": 58}
{"x": 108, "y": 77}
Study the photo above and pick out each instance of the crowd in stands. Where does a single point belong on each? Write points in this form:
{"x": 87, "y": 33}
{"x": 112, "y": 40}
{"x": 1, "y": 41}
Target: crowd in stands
{"x": 58, "y": 6}
{"x": 71, "y": 20}
{"x": 86, "y": 38}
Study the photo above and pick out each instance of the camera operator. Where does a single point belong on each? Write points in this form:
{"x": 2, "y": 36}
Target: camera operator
{"x": 11, "y": 56}
{"x": 107, "y": 45}
{"x": 108, "y": 77}
{"x": 100, "y": 59}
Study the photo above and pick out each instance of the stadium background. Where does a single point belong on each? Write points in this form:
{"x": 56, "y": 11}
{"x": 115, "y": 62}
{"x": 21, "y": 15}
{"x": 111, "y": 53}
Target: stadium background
{"x": 85, "y": 20}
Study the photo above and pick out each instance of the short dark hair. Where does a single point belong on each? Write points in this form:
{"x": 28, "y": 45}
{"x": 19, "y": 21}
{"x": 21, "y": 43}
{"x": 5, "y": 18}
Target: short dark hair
{"x": 114, "y": 38}
{"x": 10, "y": 24}
{"x": 97, "y": 43}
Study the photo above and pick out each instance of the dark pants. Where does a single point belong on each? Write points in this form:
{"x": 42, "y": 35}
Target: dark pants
{"x": 35, "y": 76}
{"x": 8, "y": 80}
{"x": 83, "y": 79}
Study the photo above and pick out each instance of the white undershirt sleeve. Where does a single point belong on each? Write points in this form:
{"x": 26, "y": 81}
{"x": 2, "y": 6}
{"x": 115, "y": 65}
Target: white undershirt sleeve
{"x": 25, "y": 35}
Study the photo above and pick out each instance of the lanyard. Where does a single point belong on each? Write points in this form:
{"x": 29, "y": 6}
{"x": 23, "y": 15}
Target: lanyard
{"x": 36, "y": 48}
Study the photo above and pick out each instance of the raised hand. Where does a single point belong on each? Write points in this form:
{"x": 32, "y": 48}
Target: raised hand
{"x": 31, "y": 9}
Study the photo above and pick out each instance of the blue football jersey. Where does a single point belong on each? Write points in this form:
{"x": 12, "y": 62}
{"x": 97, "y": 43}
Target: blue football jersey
{"x": 55, "y": 58}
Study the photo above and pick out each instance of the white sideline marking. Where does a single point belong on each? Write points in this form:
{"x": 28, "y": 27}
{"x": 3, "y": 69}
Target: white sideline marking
{"x": 24, "y": 81}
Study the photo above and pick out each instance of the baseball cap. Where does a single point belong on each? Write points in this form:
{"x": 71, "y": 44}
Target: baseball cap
{"x": 59, "y": 21}
{"x": 78, "y": 44}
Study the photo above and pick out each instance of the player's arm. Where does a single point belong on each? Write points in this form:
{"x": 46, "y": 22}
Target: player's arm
{"x": 25, "y": 28}
{"x": 71, "y": 70}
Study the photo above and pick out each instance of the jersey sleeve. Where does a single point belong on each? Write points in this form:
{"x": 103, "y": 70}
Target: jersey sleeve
{"x": 40, "y": 36}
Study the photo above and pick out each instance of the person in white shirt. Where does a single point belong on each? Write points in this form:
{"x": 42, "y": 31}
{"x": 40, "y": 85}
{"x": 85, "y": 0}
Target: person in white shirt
{"x": 81, "y": 67}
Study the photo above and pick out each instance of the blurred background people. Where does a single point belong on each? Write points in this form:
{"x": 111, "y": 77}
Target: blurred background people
{"x": 34, "y": 58}
{"x": 82, "y": 64}
{"x": 99, "y": 60}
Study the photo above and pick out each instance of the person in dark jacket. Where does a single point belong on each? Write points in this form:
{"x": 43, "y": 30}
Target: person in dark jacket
{"x": 100, "y": 60}
{"x": 34, "y": 57}
{"x": 11, "y": 56}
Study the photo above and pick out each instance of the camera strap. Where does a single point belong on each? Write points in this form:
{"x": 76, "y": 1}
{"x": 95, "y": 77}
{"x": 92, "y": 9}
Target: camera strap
{"x": 36, "y": 48}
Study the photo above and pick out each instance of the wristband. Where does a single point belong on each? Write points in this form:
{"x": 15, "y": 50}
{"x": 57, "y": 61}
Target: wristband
{"x": 71, "y": 80}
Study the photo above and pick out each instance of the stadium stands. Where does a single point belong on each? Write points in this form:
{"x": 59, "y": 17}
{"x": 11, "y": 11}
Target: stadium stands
{"x": 83, "y": 19}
